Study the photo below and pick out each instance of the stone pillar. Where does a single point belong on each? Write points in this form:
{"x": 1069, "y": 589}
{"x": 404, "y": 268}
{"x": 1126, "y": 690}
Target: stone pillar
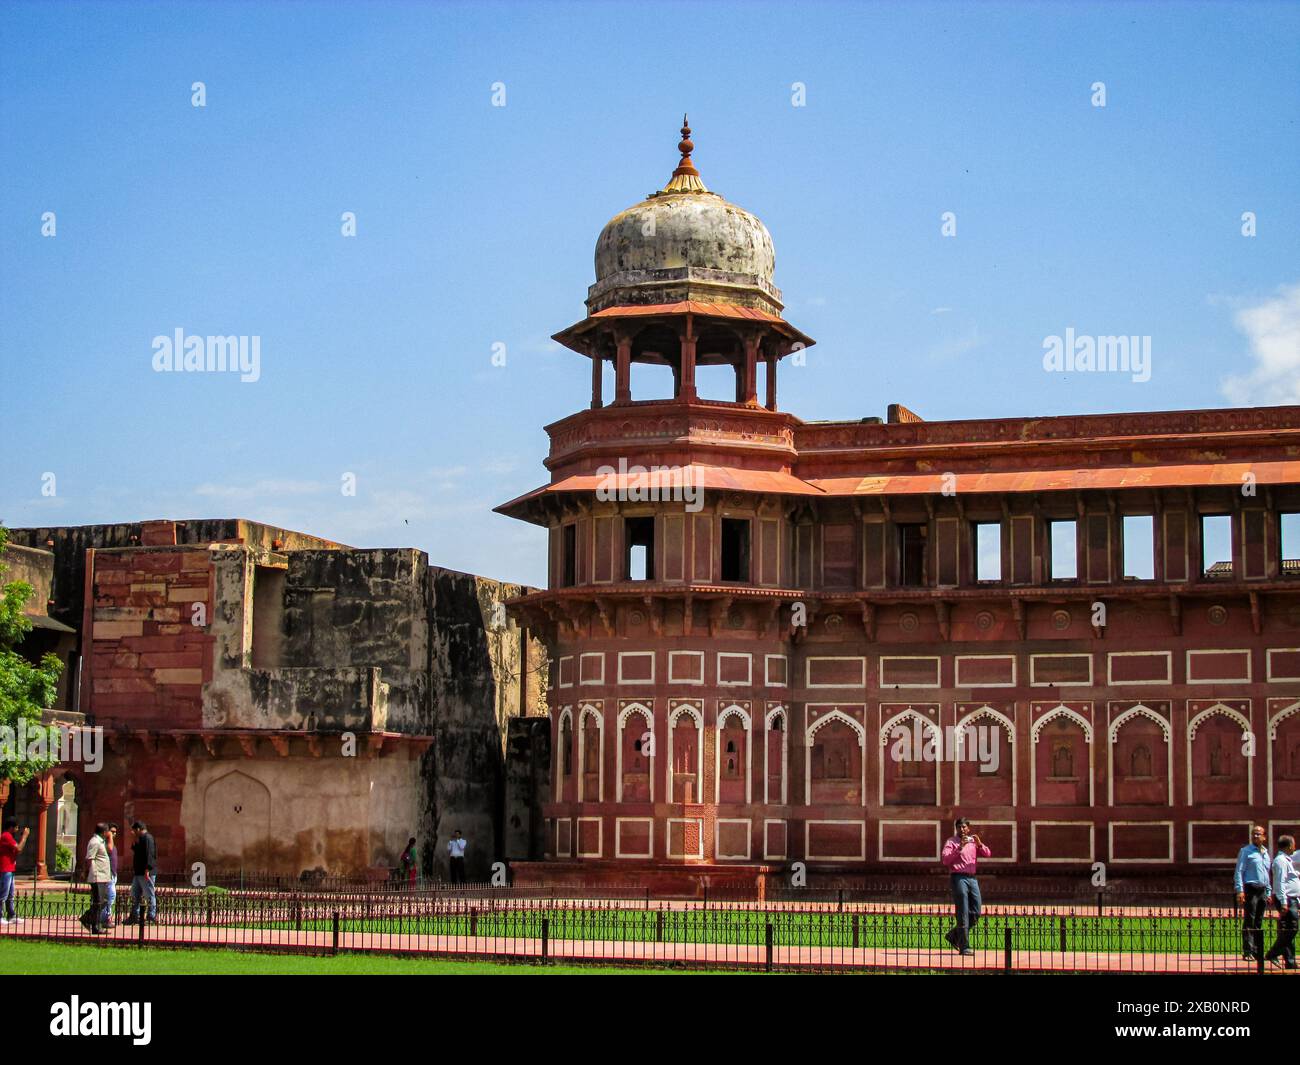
{"x": 686, "y": 385}
{"x": 45, "y": 794}
{"x": 623, "y": 369}
{"x": 749, "y": 372}
{"x": 771, "y": 380}
{"x": 597, "y": 372}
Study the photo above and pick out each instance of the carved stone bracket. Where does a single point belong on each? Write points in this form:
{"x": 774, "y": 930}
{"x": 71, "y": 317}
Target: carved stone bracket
{"x": 655, "y": 614}
{"x": 608, "y": 615}
{"x": 869, "y": 620}
{"x": 718, "y": 611}
{"x": 941, "y": 615}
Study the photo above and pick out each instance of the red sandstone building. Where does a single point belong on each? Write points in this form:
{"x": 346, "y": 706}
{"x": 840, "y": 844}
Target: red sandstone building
{"x": 727, "y": 680}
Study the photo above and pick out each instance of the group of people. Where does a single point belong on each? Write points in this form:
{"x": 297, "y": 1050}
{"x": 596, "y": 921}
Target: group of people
{"x": 101, "y": 875}
{"x": 1260, "y": 881}
{"x": 408, "y": 866}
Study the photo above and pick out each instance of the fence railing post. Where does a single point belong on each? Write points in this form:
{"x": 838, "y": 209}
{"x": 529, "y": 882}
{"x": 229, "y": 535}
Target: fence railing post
{"x": 855, "y": 930}
{"x": 1006, "y": 948}
{"x": 546, "y": 936}
{"x": 1062, "y": 931}
{"x": 473, "y": 921}
{"x": 768, "y": 936}
{"x": 335, "y": 948}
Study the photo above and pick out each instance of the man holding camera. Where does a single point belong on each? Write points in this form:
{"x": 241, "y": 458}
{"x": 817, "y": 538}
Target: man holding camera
{"x": 960, "y": 857}
{"x": 10, "y": 848}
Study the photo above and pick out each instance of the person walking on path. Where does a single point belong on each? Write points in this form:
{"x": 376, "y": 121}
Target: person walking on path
{"x": 111, "y": 842}
{"x": 98, "y": 871}
{"x": 960, "y": 857}
{"x": 1250, "y": 880}
{"x": 1286, "y": 897}
{"x": 144, "y": 871}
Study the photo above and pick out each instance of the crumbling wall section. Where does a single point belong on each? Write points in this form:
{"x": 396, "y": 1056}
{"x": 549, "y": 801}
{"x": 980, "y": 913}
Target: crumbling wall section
{"x": 528, "y": 781}
{"x": 478, "y": 663}
{"x": 360, "y": 610}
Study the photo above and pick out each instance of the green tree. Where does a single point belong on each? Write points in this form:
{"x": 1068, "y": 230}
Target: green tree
{"x": 25, "y": 689}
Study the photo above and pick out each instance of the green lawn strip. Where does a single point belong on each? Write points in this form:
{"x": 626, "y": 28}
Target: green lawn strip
{"x": 1159, "y": 935}
{"x": 738, "y": 927}
{"x": 35, "y": 958}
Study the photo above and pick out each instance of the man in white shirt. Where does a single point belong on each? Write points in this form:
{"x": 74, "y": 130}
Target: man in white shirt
{"x": 98, "y": 873}
{"x": 1286, "y": 897}
{"x": 456, "y": 849}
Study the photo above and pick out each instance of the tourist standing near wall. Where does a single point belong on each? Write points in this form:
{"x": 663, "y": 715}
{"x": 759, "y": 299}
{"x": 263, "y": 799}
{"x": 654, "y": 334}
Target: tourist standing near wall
{"x": 961, "y": 856}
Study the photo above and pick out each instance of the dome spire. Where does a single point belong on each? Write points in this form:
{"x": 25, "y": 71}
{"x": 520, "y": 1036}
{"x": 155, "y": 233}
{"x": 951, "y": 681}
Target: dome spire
{"x": 685, "y": 178}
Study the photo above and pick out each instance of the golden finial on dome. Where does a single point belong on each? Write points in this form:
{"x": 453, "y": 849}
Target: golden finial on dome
{"x": 685, "y": 178}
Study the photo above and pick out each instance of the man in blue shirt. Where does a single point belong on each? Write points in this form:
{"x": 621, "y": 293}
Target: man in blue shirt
{"x": 1251, "y": 883}
{"x": 1286, "y": 897}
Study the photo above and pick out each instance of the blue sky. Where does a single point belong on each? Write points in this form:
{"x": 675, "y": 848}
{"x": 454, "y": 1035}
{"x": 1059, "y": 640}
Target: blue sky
{"x": 476, "y": 226}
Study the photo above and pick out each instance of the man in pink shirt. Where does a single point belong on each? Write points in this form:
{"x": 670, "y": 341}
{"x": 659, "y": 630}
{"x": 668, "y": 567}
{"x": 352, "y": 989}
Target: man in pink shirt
{"x": 960, "y": 856}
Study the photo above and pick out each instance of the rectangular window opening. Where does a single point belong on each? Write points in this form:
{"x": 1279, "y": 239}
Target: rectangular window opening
{"x": 1139, "y": 532}
{"x": 988, "y": 551}
{"x": 1216, "y": 546}
{"x": 1063, "y": 545}
{"x": 639, "y": 545}
{"x": 735, "y": 549}
{"x": 268, "y": 616}
{"x": 1289, "y": 539}
{"x": 912, "y": 540}
{"x": 569, "y": 549}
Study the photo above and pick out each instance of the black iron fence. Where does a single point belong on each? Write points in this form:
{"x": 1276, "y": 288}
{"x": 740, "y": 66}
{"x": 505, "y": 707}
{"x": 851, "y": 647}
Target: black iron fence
{"x": 793, "y": 932}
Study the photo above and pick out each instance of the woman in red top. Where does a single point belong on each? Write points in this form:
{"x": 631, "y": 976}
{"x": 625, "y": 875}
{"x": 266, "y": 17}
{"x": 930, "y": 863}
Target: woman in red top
{"x": 9, "y": 850}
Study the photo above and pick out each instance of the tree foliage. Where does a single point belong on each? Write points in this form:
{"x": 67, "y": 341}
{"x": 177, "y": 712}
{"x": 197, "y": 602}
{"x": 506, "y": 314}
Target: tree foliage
{"x": 26, "y": 689}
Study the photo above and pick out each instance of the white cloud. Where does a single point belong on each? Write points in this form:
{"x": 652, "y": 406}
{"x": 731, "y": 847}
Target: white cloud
{"x": 260, "y": 489}
{"x": 955, "y": 346}
{"x": 1273, "y": 329}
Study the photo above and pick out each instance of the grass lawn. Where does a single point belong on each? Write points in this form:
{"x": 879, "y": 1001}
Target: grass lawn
{"x": 20, "y": 957}
{"x": 1185, "y": 935}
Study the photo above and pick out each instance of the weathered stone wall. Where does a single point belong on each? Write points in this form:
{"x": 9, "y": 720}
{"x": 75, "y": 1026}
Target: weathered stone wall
{"x": 483, "y": 674}
{"x": 300, "y": 813}
{"x": 70, "y": 543}
{"x": 300, "y": 641}
{"x": 528, "y": 778}
{"x": 364, "y": 609}
{"x": 34, "y": 566}
{"x": 145, "y": 661}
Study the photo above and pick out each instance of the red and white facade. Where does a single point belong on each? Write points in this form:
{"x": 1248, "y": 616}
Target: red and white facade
{"x": 729, "y": 676}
